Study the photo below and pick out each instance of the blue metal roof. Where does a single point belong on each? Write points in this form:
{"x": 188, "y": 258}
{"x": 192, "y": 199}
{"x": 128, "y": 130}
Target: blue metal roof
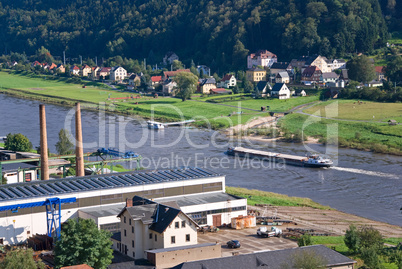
{"x": 47, "y": 188}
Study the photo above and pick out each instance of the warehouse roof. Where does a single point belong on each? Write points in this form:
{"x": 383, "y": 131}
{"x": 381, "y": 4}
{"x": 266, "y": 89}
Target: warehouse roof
{"x": 98, "y": 182}
{"x": 199, "y": 199}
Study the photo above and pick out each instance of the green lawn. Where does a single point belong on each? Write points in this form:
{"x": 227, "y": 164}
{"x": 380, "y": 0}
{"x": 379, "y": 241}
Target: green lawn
{"x": 351, "y": 110}
{"x": 263, "y": 197}
{"x": 379, "y": 137}
{"x": 331, "y": 242}
{"x": 275, "y": 104}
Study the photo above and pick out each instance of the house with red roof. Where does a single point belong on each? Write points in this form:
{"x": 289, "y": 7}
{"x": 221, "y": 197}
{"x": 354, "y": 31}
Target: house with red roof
{"x": 227, "y": 81}
{"x": 172, "y": 74}
{"x": 155, "y": 80}
{"x": 380, "y": 73}
{"x": 261, "y": 58}
{"x": 75, "y": 70}
{"x": 104, "y": 72}
{"x": 85, "y": 70}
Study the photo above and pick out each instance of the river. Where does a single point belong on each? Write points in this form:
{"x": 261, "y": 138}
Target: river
{"x": 362, "y": 183}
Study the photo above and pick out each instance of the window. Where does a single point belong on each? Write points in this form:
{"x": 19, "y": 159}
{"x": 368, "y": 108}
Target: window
{"x": 132, "y": 243}
{"x": 124, "y": 219}
{"x": 176, "y": 225}
{"x": 187, "y": 238}
{"x": 129, "y": 221}
{"x": 125, "y": 233}
{"x": 156, "y": 239}
{"x": 183, "y": 224}
{"x": 150, "y": 236}
{"x": 132, "y": 229}
{"x": 133, "y": 254}
{"x": 173, "y": 239}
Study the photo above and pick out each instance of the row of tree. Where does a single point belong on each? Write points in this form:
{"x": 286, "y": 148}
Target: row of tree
{"x": 217, "y": 33}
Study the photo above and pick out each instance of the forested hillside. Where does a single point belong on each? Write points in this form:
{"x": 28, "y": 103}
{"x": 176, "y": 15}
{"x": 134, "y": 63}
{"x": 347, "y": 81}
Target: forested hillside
{"x": 218, "y": 33}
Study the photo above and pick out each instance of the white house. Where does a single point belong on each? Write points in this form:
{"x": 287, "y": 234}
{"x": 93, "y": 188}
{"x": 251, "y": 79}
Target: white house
{"x": 118, "y": 73}
{"x": 228, "y": 81}
{"x": 170, "y": 57}
{"x": 168, "y": 86}
{"x": 336, "y": 64}
{"x": 146, "y": 225}
{"x": 19, "y": 172}
{"x": 329, "y": 77}
{"x": 281, "y": 91}
{"x": 75, "y": 70}
{"x": 261, "y": 58}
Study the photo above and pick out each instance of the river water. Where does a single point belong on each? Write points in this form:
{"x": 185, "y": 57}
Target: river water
{"x": 361, "y": 183}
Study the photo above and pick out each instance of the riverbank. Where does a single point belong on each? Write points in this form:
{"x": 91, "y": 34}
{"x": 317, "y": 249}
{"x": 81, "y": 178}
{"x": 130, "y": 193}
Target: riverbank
{"x": 308, "y": 213}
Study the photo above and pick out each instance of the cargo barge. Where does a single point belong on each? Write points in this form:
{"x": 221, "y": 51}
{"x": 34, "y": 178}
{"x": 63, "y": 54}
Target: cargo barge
{"x": 308, "y": 161}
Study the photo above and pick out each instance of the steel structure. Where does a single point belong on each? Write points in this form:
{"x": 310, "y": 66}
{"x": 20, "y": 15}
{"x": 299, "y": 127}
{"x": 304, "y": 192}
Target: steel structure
{"x": 53, "y": 212}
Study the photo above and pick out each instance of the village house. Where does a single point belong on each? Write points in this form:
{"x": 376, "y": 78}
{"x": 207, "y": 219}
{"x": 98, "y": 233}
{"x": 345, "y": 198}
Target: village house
{"x": 85, "y": 70}
{"x": 60, "y": 68}
{"x": 228, "y": 81}
{"x": 169, "y": 86}
{"x": 94, "y": 72}
{"x": 256, "y": 74}
{"x": 379, "y": 72}
{"x": 146, "y": 225}
{"x": 134, "y": 80}
{"x": 170, "y": 57}
{"x": 263, "y": 58}
{"x": 118, "y": 73}
{"x": 205, "y": 85}
{"x": 311, "y": 74}
{"x": 344, "y": 76}
{"x": 156, "y": 80}
{"x": 336, "y": 64}
{"x": 282, "y": 77}
{"x": 264, "y": 89}
{"x": 300, "y": 92}
{"x": 104, "y": 72}
{"x": 36, "y": 63}
{"x": 280, "y": 67}
{"x": 75, "y": 70}
{"x": 329, "y": 77}
{"x": 51, "y": 67}
{"x": 281, "y": 91}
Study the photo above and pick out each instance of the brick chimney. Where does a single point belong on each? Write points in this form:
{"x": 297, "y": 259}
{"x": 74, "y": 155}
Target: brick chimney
{"x": 44, "y": 163}
{"x": 129, "y": 202}
{"x": 79, "y": 151}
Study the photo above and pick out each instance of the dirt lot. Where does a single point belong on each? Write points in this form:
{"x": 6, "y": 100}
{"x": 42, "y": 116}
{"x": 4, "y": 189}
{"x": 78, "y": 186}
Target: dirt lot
{"x": 248, "y": 239}
{"x": 330, "y": 221}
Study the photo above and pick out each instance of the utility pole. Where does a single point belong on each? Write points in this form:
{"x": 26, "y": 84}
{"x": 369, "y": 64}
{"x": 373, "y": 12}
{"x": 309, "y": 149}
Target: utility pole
{"x": 96, "y": 60}
{"x": 80, "y": 60}
{"x": 64, "y": 57}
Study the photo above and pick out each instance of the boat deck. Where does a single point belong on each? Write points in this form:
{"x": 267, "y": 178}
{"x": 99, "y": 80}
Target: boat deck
{"x": 269, "y": 154}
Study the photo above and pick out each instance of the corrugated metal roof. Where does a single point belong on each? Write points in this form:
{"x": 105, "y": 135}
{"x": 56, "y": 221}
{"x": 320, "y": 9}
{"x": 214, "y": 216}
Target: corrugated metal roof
{"x": 98, "y": 182}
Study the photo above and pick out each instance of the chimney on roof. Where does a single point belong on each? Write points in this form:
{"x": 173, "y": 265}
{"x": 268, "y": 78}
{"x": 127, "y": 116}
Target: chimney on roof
{"x": 44, "y": 164}
{"x": 129, "y": 202}
{"x": 79, "y": 151}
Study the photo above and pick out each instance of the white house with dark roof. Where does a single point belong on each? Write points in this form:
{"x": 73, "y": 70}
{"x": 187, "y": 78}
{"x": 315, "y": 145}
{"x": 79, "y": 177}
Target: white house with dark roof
{"x": 281, "y": 91}
{"x": 146, "y": 225}
{"x": 329, "y": 77}
{"x": 118, "y": 73}
{"x": 282, "y": 77}
{"x": 227, "y": 81}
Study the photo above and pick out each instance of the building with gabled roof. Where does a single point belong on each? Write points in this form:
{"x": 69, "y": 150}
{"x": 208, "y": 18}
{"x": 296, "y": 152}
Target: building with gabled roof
{"x": 263, "y": 58}
{"x": 205, "y": 85}
{"x": 281, "y": 91}
{"x": 75, "y": 70}
{"x": 170, "y": 57}
{"x": 146, "y": 225}
{"x": 256, "y": 74}
{"x": 282, "y": 77}
{"x": 228, "y": 80}
{"x": 172, "y": 74}
{"x": 118, "y": 73}
{"x": 85, "y": 70}
{"x": 311, "y": 74}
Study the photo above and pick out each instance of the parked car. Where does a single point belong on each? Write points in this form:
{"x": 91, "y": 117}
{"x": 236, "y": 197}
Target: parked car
{"x": 233, "y": 244}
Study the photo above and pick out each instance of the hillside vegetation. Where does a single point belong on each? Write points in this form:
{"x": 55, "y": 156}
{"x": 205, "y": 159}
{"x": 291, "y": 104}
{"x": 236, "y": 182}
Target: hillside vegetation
{"x": 217, "y": 33}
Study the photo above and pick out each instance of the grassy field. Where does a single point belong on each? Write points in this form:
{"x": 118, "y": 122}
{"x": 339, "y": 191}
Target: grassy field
{"x": 262, "y": 197}
{"x": 378, "y": 137}
{"x": 352, "y": 110}
{"x": 275, "y": 104}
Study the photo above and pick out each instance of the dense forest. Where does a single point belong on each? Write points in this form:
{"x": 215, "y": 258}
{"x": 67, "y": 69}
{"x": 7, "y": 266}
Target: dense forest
{"x": 217, "y": 33}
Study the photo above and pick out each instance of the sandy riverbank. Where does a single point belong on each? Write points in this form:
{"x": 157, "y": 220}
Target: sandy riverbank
{"x": 332, "y": 221}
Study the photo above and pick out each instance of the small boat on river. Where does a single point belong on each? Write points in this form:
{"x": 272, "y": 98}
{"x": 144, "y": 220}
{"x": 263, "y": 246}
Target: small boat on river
{"x": 307, "y": 161}
{"x": 155, "y": 125}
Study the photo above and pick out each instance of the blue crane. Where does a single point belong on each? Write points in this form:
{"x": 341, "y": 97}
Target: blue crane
{"x": 53, "y": 212}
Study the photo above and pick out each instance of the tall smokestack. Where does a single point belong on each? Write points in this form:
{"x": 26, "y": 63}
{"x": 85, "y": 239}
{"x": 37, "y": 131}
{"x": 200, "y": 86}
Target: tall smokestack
{"x": 79, "y": 152}
{"x": 44, "y": 164}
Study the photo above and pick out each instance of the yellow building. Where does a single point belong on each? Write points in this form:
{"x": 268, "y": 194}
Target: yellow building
{"x": 256, "y": 74}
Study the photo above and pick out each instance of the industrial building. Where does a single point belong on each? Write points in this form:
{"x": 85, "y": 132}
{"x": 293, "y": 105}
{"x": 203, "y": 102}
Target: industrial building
{"x": 99, "y": 194}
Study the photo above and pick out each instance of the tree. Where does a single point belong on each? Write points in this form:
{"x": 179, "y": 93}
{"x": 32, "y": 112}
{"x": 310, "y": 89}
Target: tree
{"x": 361, "y": 69}
{"x": 304, "y": 240}
{"x": 177, "y": 65}
{"x": 352, "y": 239}
{"x": 186, "y": 84}
{"x": 393, "y": 70}
{"x": 64, "y": 145}
{"x": 370, "y": 238}
{"x": 305, "y": 259}
{"x": 43, "y": 55}
{"x": 21, "y": 258}
{"x": 82, "y": 242}
{"x": 17, "y": 142}
{"x": 370, "y": 258}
